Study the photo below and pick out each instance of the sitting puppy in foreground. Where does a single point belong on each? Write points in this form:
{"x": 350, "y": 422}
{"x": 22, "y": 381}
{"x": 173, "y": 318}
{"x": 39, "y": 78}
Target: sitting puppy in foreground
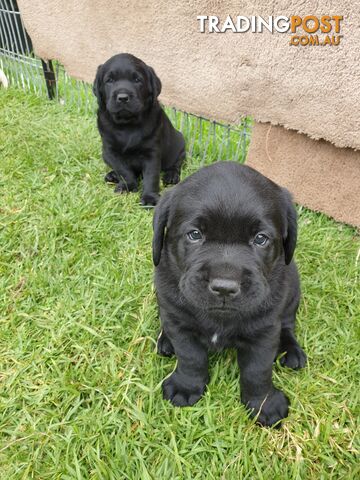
{"x": 138, "y": 138}
{"x": 223, "y": 245}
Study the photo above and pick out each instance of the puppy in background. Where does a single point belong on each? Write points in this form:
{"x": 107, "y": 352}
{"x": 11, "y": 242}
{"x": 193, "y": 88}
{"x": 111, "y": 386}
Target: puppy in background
{"x": 225, "y": 277}
{"x": 137, "y": 136}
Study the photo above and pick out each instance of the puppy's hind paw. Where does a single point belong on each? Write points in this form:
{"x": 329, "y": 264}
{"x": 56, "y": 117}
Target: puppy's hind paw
{"x": 111, "y": 177}
{"x": 294, "y": 357}
{"x": 164, "y": 346}
{"x": 172, "y": 177}
{"x": 122, "y": 187}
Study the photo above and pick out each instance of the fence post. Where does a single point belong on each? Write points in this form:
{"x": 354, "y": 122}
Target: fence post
{"x": 50, "y": 79}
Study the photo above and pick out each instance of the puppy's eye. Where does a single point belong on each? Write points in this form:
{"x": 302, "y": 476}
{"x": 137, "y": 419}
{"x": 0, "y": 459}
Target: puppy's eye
{"x": 261, "y": 239}
{"x": 137, "y": 80}
{"x": 194, "y": 235}
{"x": 109, "y": 80}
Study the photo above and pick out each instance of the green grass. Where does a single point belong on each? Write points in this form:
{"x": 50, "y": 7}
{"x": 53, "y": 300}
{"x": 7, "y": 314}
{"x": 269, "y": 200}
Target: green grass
{"x": 80, "y": 393}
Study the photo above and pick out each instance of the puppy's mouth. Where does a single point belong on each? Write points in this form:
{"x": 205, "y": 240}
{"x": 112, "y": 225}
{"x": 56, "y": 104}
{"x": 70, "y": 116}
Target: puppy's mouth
{"x": 224, "y": 307}
{"x": 123, "y": 114}
{"x": 119, "y": 115}
{"x": 223, "y": 310}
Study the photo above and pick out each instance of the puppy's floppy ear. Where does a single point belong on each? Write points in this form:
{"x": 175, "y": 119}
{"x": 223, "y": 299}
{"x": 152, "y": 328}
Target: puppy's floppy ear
{"x": 160, "y": 222}
{"x": 97, "y": 85}
{"x": 155, "y": 84}
{"x": 290, "y": 232}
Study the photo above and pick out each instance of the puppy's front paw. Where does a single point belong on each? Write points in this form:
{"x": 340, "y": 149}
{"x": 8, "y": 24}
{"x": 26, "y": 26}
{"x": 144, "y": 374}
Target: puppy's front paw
{"x": 270, "y": 410}
{"x": 182, "y": 395}
{"x": 294, "y": 357}
{"x": 150, "y": 199}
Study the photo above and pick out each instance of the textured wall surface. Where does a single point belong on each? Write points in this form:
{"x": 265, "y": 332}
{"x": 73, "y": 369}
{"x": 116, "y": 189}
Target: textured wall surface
{"x": 314, "y": 90}
{"x": 321, "y": 176}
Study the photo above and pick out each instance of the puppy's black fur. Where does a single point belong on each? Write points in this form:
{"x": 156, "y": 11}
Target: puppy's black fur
{"x": 138, "y": 138}
{"x": 223, "y": 245}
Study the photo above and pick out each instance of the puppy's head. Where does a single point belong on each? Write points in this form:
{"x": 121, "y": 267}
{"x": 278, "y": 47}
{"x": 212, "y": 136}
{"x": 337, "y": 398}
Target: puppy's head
{"x": 226, "y": 233}
{"x": 126, "y": 87}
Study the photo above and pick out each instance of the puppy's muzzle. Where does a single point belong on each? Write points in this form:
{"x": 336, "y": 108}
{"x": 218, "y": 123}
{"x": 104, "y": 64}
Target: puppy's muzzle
{"x": 223, "y": 287}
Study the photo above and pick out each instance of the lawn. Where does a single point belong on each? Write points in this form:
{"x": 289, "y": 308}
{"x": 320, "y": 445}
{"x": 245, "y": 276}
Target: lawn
{"x": 80, "y": 379}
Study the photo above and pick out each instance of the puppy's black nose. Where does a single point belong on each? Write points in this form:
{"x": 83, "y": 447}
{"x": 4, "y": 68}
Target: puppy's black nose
{"x": 224, "y": 287}
{"x": 122, "y": 97}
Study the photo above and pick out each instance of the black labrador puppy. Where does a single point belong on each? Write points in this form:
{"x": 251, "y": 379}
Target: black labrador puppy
{"x": 223, "y": 246}
{"x": 137, "y": 136}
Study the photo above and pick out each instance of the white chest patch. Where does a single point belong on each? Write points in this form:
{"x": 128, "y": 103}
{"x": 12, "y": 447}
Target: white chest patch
{"x": 214, "y": 338}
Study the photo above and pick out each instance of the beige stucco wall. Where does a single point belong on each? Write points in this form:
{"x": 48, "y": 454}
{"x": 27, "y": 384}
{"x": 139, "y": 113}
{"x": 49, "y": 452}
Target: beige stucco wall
{"x": 314, "y": 90}
{"x": 321, "y": 176}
